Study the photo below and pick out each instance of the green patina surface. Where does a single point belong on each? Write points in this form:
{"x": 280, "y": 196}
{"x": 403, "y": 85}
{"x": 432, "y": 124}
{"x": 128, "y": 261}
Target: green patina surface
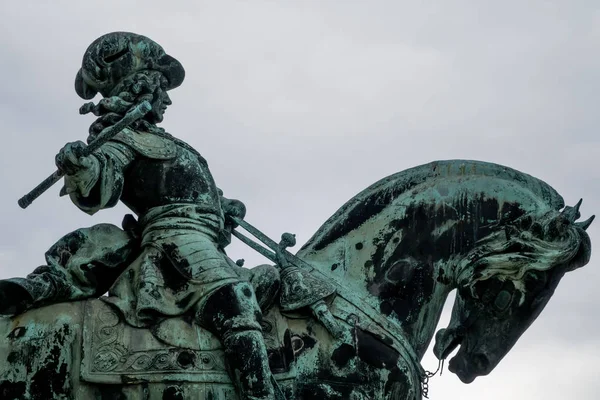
{"x": 348, "y": 317}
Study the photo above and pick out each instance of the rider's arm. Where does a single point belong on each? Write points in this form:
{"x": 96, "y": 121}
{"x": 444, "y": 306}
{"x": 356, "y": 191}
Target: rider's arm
{"x": 97, "y": 181}
{"x": 233, "y": 207}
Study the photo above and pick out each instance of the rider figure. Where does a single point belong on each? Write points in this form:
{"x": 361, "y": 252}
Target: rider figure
{"x": 180, "y": 267}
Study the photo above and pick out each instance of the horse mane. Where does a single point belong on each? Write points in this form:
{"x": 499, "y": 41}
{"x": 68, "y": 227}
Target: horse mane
{"x": 378, "y": 196}
{"x": 528, "y": 244}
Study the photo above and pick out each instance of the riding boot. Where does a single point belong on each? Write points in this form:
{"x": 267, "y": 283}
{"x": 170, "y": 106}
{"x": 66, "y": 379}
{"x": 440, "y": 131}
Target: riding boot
{"x": 246, "y": 356}
{"x": 15, "y": 296}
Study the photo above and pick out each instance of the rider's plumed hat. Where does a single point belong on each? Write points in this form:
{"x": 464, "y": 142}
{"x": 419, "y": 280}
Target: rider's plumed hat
{"x": 114, "y": 56}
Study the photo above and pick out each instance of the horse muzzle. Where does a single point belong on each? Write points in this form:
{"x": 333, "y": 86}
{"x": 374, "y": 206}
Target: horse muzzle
{"x": 469, "y": 366}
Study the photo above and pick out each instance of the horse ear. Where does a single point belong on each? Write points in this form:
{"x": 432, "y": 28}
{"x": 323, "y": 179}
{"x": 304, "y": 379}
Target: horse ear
{"x": 585, "y": 247}
{"x": 586, "y": 224}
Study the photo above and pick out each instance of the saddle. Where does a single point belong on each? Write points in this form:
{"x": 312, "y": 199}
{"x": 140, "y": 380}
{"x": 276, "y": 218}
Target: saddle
{"x": 116, "y": 353}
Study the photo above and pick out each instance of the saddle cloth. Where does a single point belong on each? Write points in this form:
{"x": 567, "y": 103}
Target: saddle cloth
{"x": 117, "y": 353}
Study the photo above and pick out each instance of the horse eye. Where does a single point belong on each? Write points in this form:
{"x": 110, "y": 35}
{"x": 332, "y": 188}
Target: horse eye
{"x": 503, "y": 300}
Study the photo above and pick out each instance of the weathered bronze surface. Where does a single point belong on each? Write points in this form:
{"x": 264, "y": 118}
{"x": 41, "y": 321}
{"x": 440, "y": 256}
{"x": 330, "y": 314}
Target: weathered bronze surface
{"x": 349, "y": 316}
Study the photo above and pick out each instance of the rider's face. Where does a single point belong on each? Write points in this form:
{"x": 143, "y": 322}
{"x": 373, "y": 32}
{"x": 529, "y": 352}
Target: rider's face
{"x": 160, "y": 103}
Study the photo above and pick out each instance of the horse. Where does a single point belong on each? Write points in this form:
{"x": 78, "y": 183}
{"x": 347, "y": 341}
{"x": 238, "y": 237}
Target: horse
{"x": 394, "y": 252}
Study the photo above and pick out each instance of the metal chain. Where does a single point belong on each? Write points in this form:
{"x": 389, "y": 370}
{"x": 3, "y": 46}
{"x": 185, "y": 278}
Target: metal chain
{"x": 427, "y": 376}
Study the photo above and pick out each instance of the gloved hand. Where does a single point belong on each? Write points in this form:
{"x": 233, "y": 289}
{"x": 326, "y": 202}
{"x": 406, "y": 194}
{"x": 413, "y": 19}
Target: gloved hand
{"x": 70, "y": 159}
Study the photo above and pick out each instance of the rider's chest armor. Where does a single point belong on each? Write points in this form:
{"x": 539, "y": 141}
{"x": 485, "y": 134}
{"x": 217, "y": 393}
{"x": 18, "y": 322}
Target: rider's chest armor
{"x": 164, "y": 172}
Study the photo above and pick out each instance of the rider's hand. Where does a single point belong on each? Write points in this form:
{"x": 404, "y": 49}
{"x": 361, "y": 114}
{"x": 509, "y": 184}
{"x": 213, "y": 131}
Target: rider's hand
{"x": 70, "y": 160}
{"x": 233, "y": 208}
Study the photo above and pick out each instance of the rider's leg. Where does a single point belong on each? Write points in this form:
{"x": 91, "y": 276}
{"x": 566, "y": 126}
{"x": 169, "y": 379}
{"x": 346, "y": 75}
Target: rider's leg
{"x": 232, "y": 313}
{"x": 266, "y": 283}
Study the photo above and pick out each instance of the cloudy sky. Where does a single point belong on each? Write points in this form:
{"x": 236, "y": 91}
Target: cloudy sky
{"x": 299, "y": 105}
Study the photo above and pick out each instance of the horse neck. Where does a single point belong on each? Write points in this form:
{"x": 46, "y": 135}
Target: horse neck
{"x": 429, "y": 313}
{"x": 413, "y": 293}
{"x": 410, "y": 291}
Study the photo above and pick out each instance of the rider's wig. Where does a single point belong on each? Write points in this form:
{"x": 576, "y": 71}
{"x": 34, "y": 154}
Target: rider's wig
{"x": 131, "y": 91}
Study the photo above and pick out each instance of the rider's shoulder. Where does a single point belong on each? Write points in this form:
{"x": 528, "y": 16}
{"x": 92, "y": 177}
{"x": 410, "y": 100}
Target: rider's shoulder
{"x": 147, "y": 144}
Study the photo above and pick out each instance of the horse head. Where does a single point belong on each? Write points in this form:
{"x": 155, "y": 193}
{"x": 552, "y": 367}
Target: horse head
{"x": 504, "y": 284}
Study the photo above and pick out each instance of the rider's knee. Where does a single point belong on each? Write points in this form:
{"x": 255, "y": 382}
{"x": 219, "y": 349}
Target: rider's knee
{"x": 266, "y": 282}
{"x": 264, "y": 273}
{"x": 232, "y": 308}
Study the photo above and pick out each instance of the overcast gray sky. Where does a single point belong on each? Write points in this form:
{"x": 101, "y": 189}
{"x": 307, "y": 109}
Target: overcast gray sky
{"x": 299, "y": 105}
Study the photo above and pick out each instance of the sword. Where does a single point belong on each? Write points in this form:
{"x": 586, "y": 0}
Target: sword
{"x": 107, "y": 134}
{"x": 270, "y": 243}
{"x": 255, "y": 246}
{"x": 291, "y": 263}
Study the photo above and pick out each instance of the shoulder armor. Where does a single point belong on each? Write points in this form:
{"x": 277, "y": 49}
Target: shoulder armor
{"x": 147, "y": 144}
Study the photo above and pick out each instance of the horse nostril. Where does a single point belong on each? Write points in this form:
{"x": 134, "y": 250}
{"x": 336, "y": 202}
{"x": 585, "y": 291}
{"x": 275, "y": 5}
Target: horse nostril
{"x": 481, "y": 362}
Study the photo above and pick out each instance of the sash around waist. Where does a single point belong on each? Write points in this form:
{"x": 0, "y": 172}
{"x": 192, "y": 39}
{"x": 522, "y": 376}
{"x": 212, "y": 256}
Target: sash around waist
{"x": 172, "y": 220}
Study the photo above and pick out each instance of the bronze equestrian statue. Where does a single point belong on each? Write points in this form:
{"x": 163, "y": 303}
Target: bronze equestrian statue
{"x": 156, "y": 309}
